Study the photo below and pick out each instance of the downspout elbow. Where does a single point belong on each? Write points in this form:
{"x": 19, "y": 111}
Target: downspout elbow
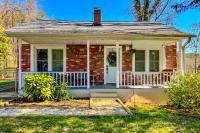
{"x": 187, "y": 42}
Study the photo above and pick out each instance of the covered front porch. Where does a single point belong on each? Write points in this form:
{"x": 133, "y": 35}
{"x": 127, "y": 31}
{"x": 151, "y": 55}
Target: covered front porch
{"x": 102, "y": 64}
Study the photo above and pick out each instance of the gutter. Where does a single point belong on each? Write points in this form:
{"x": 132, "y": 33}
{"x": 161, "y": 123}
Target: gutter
{"x": 188, "y": 41}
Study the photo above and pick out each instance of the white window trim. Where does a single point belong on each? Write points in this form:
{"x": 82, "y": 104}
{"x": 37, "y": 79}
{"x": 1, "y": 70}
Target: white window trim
{"x": 120, "y": 64}
{"x": 147, "y": 49}
{"x": 49, "y": 48}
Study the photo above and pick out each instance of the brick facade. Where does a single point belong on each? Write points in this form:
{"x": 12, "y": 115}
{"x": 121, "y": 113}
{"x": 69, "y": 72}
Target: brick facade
{"x": 97, "y": 62}
{"x": 171, "y": 58}
{"x": 126, "y": 61}
{"x": 25, "y": 58}
{"x": 77, "y": 59}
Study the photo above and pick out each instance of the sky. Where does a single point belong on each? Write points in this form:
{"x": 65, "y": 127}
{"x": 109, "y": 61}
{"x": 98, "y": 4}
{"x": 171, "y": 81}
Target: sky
{"x": 112, "y": 10}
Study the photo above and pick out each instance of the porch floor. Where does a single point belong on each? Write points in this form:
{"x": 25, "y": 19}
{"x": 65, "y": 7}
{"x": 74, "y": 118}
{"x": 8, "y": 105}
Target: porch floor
{"x": 113, "y": 86}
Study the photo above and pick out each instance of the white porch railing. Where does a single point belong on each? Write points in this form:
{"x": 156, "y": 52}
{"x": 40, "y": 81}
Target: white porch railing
{"x": 73, "y": 79}
{"x": 146, "y": 79}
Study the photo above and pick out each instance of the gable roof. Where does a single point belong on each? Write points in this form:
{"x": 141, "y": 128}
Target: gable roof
{"x": 53, "y": 27}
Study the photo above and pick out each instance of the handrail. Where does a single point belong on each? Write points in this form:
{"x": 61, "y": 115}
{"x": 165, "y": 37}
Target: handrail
{"x": 73, "y": 79}
{"x": 146, "y": 78}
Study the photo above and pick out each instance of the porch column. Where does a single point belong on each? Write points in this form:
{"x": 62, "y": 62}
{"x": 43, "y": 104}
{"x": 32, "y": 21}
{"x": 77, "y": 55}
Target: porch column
{"x": 19, "y": 64}
{"x": 32, "y": 62}
{"x": 181, "y": 58}
{"x": 164, "y": 56}
{"x": 117, "y": 65}
{"x": 88, "y": 64}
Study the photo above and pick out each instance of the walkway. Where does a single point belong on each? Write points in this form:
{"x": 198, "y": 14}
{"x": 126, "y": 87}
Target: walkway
{"x": 112, "y": 107}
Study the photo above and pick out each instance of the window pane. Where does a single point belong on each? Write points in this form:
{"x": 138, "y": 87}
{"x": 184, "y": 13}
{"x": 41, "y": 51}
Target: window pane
{"x": 140, "y": 60}
{"x": 57, "y": 60}
{"x": 42, "y": 60}
{"x": 154, "y": 60}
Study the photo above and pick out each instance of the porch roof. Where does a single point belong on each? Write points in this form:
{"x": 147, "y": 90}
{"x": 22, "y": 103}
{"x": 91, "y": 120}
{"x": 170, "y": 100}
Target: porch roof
{"x": 65, "y": 28}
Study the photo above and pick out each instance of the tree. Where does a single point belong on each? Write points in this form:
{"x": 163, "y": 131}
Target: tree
{"x": 13, "y": 13}
{"x": 161, "y": 10}
{"x": 195, "y": 47}
{"x": 153, "y": 10}
{"x": 186, "y": 4}
{"x": 4, "y": 45}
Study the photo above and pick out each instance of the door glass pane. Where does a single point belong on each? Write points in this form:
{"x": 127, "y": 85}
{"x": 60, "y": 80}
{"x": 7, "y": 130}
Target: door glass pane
{"x": 111, "y": 57}
{"x": 140, "y": 60}
{"x": 57, "y": 58}
{"x": 154, "y": 60}
{"x": 42, "y": 60}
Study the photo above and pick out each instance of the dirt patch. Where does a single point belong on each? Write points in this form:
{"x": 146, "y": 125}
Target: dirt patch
{"x": 83, "y": 103}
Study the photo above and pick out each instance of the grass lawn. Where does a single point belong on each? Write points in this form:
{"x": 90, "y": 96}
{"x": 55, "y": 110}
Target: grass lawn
{"x": 142, "y": 120}
{"x": 6, "y": 84}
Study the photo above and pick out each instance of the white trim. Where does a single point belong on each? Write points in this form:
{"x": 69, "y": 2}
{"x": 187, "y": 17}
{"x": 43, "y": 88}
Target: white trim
{"x": 64, "y": 59}
{"x": 32, "y": 58}
{"x": 120, "y": 67}
{"x": 50, "y": 61}
{"x": 164, "y": 56}
{"x": 49, "y": 48}
{"x": 117, "y": 65}
{"x": 147, "y": 49}
{"x": 88, "y": 64}
{"x": 181, "y": 58}
{"x": 20, "y": 65}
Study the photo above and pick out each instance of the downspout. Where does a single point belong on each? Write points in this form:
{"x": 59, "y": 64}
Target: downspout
{"x": 188, "y": 41}
{"x": 183, "y": 55}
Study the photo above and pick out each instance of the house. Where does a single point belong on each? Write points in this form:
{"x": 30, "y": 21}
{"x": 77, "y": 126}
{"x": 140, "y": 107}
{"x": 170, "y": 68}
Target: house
{"x": 91, "y": 55}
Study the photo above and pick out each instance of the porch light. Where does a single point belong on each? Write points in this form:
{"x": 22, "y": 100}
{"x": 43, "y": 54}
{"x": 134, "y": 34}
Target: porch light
{"x": 100, "y": 48}
{"x": 127, "y": 47}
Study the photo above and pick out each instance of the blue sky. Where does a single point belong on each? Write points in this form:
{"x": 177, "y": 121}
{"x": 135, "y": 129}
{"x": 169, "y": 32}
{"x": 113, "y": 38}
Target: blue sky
{"x": 112, "y": 10}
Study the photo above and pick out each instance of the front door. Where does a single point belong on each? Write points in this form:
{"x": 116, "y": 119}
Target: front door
{"x": 110, "y": 67}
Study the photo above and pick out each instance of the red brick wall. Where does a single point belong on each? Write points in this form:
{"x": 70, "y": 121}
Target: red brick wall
{"x": 76, "y": 57}
{"x": 97, "y": 62}
{"x": 171, "y": 61}
{"x": 75, "y": 63}
{"x": 79, "y": 63}
{"x": 126, "y": 61}
{"x": 25, "y": 58}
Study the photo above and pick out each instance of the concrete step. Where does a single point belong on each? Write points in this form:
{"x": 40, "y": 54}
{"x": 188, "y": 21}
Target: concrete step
{"x": 98, "y": 102}
{"x": 103, "y": 95}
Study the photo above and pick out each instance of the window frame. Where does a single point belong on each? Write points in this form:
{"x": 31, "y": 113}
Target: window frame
{"x": 144, "y": 61}
{"x": 57, "y": 60}
{"x": 147, "y": 49}
{"x": 158, "y": 61}
{"x": 50, "y": 60}
{"x": 42, "y": 60}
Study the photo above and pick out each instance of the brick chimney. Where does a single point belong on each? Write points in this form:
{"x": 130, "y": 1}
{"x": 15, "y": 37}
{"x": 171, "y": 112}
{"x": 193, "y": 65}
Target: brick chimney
{"x": 97, "y": 17}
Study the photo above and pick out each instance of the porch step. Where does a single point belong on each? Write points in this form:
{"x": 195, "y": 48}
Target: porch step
{"x": 102, "y": 94}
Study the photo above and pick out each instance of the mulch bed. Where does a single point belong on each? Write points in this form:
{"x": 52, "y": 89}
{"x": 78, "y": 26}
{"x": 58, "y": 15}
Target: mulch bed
{"x": 21, "y": 102}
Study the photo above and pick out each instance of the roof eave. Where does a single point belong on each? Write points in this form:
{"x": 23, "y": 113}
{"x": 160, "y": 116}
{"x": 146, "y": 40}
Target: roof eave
{"x": 26, "y": 34}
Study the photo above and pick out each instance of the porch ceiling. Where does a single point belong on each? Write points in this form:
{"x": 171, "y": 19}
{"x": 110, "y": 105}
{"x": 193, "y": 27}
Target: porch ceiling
{"x": 104, "y": 40}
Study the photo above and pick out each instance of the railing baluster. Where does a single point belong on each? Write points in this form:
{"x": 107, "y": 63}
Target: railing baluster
{"x": 124, "y": 78}
{"x": 131, "y": 78}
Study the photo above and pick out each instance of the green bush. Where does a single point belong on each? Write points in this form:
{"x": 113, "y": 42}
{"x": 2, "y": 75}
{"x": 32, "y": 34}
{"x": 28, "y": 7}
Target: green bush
{"x": 184, "y": 91}
{"x": 62, "y": 92}
{"x": 39, "y": 87}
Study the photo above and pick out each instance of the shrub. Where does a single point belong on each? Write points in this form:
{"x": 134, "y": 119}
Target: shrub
{"x": 39, "y": 87}
{"x": 184, "y": 91}
{"x": 62, "y": 92}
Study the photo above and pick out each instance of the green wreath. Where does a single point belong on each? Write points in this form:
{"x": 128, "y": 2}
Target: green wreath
{"x": 111, "y": 58}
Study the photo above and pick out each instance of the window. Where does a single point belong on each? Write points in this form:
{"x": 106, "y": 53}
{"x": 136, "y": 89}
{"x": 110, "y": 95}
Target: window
{"x": 57, "y": 60}
{"x": 42, "y": 60}
{"x": 154, "y": 60}
{"x": 140, "y": 60}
